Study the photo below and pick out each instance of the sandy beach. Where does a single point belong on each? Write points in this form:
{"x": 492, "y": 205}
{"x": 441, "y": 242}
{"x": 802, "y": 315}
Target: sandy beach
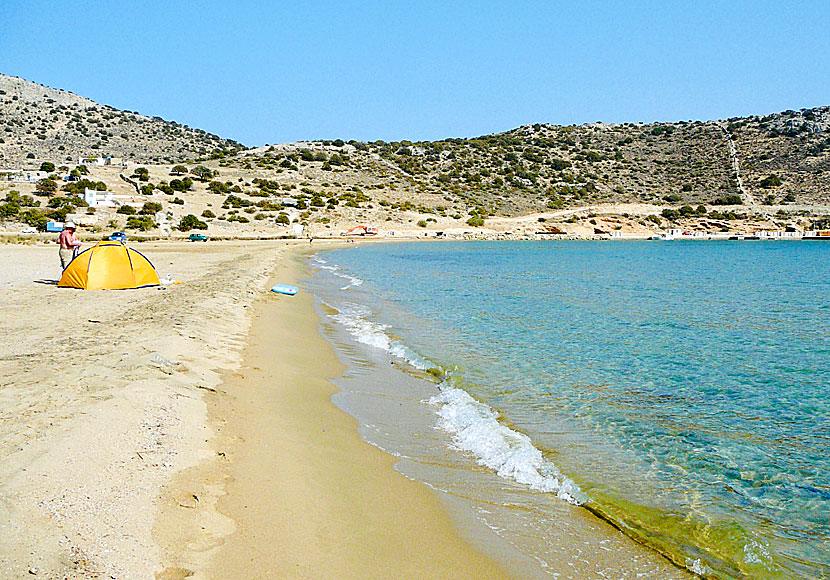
{"x": 102, "y": 401}
{"x": 157, "y": 434}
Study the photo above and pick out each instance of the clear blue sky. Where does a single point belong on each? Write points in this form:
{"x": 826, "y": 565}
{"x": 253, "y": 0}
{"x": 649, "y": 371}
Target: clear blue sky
{"x": 275, "y": 71}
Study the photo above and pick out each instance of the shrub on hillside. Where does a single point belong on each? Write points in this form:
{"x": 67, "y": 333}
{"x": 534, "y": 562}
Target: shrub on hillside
{"x": 35, "y": 219}
{"x": 46, "y": 187}
{"x": 141, "y": 223}
{"x": 732, "y": 199}
{"x": 202, "y": 173}
{"x": 771, "y": 181}
{"x": 191, "y": 222}
{"x": 181, "y": 184}
{"x": 150, "y": 208}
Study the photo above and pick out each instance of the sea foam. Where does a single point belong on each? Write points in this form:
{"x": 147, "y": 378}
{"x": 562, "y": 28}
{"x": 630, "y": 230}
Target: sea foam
{"x": 337, "y": 271}
{"x": 476, "y": 430}
{"x": 474, "y": 426}
{"x": 353, "y": 317}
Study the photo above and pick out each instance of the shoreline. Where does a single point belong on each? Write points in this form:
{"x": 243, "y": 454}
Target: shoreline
{"x": 296, "y": 491}
{"x": 389, "y": 401}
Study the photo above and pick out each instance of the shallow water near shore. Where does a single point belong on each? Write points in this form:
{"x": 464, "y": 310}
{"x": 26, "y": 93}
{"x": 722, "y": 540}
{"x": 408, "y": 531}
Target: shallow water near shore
{"x": 677, "y": 390}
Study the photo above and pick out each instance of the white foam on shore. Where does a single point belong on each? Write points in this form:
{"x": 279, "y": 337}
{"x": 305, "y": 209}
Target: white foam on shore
{"x": 354, "y": 318}
{"x": 475, "y": 429}
{"x": 337, "y": 271}
{"x": 474, "y": 426}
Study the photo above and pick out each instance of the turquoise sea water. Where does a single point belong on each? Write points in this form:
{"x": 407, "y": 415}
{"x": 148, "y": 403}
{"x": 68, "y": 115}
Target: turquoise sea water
{"x": 677, "y": 389}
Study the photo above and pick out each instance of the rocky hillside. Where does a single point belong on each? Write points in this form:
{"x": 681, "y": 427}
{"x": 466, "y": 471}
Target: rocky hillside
{"x": 743, "y": 174}
{"x": 39, "y": 123}
{"x": 779, "y": 159}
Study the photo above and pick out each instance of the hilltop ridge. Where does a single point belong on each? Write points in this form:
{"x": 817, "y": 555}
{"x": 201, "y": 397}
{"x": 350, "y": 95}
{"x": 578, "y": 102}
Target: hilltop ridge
{"x": 40, "y": 122}
{"x": 767, "y": 172}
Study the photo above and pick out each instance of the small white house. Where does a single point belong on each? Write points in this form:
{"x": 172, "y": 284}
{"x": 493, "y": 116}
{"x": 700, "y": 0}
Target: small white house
{"x": 22, "y": 175}
{"x": 102, "y": 161}
{"x": 95, "y": 198}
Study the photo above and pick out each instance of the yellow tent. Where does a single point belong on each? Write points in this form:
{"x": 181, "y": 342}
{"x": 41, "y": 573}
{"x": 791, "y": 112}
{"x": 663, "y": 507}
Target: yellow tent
{"x": 109, "y": 265}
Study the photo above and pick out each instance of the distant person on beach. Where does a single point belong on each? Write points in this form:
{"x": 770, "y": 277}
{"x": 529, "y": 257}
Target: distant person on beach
{"x": 69, "y": 244}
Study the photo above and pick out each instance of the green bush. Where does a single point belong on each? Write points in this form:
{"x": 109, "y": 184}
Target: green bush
{"x": 208, "y": 214}
{"x": 771, "y": 181}
{"x": 150, "y": 208}
{"x": 35, "y": 219}
{"x": 141, "y": 223}
{"x": 126, "y": 210}
{"x": 46, "y": 187}
{"x": 68, "y": 202}
{"x": 78, "y": 187}
{"x": 202, "y": 173}
{"x": 47, "y": 166}
{"x": 191, "y": 222}
{"x": 475, "y": 222}
{"x": 164, "y": 187}
{"x": 181, "y": 184}
{"x": 732, "y": 199}
{"x": 8, "y": 211}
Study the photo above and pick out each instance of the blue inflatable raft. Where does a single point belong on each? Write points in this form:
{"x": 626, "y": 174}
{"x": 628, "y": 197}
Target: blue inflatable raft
{"x": 284, "y": 289}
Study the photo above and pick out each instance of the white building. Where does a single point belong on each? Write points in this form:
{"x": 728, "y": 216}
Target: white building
{"x": 102, "y": 161}
{"x": 95, "y": 198}
{"x": 22, "y": 175}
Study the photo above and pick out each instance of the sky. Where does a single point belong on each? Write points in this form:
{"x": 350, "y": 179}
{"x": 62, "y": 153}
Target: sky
{"x": 279, "y": 71}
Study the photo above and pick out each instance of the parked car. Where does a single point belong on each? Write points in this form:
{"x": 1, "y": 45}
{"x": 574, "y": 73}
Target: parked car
{"x": 118, "y": 237}
{"x": 197, "y": 238}
{"x": 29, "y": 230}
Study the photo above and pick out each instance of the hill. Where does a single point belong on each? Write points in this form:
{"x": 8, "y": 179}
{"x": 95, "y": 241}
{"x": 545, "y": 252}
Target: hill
{"x": 38, "y": 122}
{"x": 741, "y": 174}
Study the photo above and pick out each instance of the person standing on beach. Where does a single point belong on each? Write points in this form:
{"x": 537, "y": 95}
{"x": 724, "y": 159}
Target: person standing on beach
{"x": 69, "y": 244}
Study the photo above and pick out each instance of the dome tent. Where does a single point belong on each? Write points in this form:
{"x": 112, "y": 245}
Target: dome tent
{"x": 109, "y": 265}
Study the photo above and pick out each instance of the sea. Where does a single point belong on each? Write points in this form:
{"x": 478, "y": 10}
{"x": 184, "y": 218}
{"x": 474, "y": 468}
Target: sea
{"x": 622, "y": 409}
